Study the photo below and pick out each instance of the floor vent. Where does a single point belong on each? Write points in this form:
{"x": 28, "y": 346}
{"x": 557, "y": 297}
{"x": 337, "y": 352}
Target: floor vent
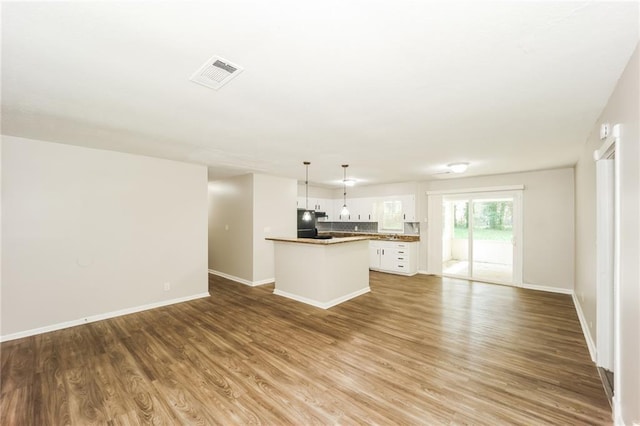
{"x": 215, "y": 73}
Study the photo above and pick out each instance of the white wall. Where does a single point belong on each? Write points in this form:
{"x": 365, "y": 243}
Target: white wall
{"x": 548, "y": 222}
{"x": 403, "y": 188}
{"x": 87, "y": 232}
{"x": 274, "y": 216}
{"x": 316, "y": 191}
{"x": 231, "y": 226}
{"x": 622, "y": 107}
{"x": 243, "y": 210}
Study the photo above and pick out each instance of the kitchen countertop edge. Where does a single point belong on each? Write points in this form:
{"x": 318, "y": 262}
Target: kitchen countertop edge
{"x": 401, "y": 238}
{"x": 319, "y": 241}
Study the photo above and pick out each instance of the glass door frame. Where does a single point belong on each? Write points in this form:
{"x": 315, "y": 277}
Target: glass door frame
{"x": 517, "y": 241}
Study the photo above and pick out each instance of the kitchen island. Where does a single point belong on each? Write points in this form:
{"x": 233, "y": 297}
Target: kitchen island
{"x": 322, "y": 273}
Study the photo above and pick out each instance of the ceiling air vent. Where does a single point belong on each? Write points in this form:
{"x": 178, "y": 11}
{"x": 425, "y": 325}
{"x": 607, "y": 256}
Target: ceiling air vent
{"x": 215, "y": 73}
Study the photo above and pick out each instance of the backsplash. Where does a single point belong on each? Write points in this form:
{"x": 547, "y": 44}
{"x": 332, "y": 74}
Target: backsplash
{"x": 347, "y": 226}
{"x": 410, "y": 228}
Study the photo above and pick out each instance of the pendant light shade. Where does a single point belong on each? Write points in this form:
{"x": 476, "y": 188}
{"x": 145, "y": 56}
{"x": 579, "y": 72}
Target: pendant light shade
{"x": 306, "y": 216}
{"x": 345, "y": 210}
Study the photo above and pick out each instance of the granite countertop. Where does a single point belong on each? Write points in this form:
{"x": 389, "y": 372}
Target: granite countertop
{"x": 335, "y": 240}
{"x": 375, "y": 236}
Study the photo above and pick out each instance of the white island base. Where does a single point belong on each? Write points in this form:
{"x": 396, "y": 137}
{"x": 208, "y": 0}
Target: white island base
{"x": 322, "y": 273}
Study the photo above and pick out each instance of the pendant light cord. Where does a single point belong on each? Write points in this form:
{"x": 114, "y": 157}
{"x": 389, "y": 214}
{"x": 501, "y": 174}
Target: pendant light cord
{"x": 344, "y": 185}
{"x": 306, "y": 184}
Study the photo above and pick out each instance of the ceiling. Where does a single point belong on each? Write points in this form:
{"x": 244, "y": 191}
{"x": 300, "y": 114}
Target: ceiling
{"x": 397, "y": 90}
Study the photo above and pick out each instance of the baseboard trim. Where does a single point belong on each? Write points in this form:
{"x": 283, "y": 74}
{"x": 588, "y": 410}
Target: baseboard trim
{"x": 99, "y": 317}
{"x": 242, "y": 280}
{"x": 585, "y": 330}
{"x": 263, "y": 282}
{"x": 322, "y": 305}
{"x": 422, "y": 272}
{"x": 547, "y": 288}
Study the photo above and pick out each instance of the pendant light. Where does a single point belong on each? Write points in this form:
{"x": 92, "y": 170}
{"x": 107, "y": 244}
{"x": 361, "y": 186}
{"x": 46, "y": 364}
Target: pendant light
{"x": 345, "y": 210}
{"x": 306, "y": 216}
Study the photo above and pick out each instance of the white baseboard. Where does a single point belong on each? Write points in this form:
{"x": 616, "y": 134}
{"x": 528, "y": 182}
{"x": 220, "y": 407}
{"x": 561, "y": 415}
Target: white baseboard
{"x": 585, "y": 329}
{"x": 99, "y": 317}
{"x": 263, "y": 282}
{"x": 420, "y": 271}
{"x": 322, "y": 305}
{"x": 547, "y": 288}
{"x": 242, "y": 280}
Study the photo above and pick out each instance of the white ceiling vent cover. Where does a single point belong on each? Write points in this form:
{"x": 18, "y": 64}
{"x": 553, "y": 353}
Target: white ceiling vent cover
{"x": 216, "y": 72}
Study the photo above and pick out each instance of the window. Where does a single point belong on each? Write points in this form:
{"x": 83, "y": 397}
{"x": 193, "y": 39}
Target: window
{"x": 392, "y": 219}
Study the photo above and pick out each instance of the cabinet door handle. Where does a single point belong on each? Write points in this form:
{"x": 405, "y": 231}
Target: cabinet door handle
{"x": 369, "y": 217}
{"x": 404, "y": 216}
{"x": 400, "y": 266}
{"x": 382, "y": 251}
{"x": 400, "y": 252}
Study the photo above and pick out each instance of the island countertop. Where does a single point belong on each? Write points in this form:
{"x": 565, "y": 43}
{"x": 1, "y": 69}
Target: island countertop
{"x": 324, "y": 242}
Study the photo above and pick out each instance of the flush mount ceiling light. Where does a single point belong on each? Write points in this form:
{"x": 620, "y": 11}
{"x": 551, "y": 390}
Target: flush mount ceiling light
{"x": 306, "y": 216}
{"x": 458, "y": 167}
{"x": 345, "y": 210}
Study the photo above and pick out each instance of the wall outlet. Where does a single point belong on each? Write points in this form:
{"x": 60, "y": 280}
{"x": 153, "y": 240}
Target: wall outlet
{"x": 167, "y": 286}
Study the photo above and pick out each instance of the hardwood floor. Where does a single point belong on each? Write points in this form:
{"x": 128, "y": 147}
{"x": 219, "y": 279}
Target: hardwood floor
{"x": 416, "y": 350}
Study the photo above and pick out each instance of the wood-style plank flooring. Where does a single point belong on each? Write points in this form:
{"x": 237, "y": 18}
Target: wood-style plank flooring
{"x": 416, "y": 350}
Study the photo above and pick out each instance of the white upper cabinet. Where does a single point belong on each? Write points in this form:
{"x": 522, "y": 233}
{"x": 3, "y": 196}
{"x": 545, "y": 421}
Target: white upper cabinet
{"x": 302, "y": 202}
{"x": 322, "y": 204}
{"x": 337, "y": 206}
{"x": 408, "y": 208}
{"x": 360, "y": 210}
{"x": 392, "y": 210}
{"x": 317, "y": 204}
{"x": 367, "y": 209}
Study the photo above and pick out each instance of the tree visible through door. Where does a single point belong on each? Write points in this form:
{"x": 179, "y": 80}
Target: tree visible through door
{"x": 478, "y": 238}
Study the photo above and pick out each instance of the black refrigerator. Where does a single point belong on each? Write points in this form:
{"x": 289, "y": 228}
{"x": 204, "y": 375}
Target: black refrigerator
{"x": 306, "y": 229}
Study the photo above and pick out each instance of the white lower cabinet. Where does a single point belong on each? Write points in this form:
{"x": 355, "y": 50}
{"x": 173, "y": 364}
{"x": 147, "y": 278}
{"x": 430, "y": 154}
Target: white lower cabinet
{"x": 374, "y": 255}
{"x": 392, "y": 256}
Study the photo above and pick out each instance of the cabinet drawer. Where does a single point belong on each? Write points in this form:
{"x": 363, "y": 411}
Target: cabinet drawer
{"x": 401, "y": 266}
{"x": 399, "y": 252}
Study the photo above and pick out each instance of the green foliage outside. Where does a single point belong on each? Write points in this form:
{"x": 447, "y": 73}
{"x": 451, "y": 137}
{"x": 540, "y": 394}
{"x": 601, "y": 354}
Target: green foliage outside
{"x": 492, "y": 219}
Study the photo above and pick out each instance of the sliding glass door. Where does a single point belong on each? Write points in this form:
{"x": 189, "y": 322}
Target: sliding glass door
{"x": 479, "y": 238}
